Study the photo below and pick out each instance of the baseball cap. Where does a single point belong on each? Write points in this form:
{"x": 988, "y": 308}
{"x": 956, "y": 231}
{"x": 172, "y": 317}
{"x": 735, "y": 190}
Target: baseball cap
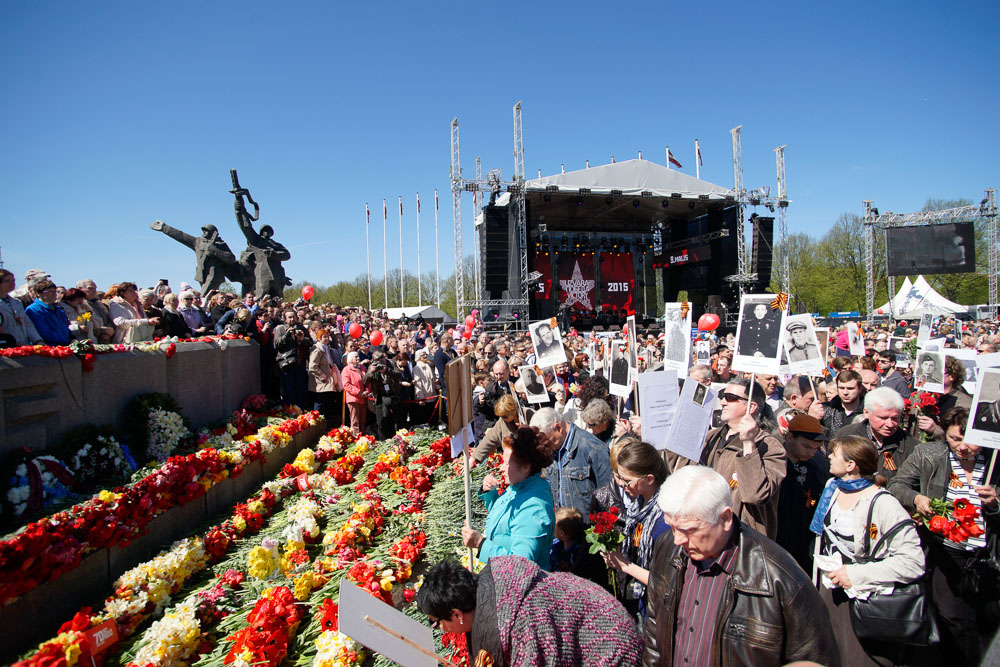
{"x": 807, "y": 426}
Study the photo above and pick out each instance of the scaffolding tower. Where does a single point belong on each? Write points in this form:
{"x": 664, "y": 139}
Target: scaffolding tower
{"x": 985, "y": 211}
{"x": 493, "y": 184}
{"x": 758, "y": 197}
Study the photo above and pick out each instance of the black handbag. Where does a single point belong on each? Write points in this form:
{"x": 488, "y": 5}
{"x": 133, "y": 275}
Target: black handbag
{"x": 981, "y": 577}
{"x": 903, "y": 616}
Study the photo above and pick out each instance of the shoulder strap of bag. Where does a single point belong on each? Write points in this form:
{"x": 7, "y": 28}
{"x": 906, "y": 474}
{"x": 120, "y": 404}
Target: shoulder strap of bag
{"x": 869, "y": 551}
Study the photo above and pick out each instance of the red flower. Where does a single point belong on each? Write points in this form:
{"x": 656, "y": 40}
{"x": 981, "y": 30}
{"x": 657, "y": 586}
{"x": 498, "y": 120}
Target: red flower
{"x": 938, "y": 524}
{"x": 964, "y": 510}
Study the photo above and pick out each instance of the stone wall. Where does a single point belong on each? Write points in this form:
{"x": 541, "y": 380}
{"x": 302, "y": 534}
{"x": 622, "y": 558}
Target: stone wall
{"x": 41, "y": 398}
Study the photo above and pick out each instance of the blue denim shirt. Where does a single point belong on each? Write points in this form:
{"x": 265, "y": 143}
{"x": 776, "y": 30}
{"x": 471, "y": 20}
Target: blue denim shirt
{"x": 580, "y": 467}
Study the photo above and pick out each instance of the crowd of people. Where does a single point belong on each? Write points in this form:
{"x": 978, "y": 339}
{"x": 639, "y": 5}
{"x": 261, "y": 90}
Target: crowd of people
{"x": 809, "y": 498}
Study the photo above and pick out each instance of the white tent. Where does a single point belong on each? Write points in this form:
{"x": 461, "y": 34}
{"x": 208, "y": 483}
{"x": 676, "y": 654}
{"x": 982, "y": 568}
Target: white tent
{"x": 631, "y": 177}
{"x": 430, "y": 314}
{"x": 916, "y": 298}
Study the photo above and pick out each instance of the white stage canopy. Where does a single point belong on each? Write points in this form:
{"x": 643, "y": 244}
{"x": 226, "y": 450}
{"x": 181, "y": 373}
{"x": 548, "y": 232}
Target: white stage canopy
{"x": 431, "y": 314}
{"x": 631, "y": 177}
{"x": 916, "y": 298}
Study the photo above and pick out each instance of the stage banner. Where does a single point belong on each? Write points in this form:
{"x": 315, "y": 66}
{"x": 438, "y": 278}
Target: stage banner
{"x": 617, "y": 281}
{"x": 576, "y": 280}
{"x": 543, "y": 264}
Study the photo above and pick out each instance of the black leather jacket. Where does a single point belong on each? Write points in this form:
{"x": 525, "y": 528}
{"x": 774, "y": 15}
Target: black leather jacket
{"x": 771, "y": 614}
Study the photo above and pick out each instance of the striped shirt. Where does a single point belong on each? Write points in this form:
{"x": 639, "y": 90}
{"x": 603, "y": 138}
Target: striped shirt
{"x": 959, "y": 488}
{"x": 705, "y": 583}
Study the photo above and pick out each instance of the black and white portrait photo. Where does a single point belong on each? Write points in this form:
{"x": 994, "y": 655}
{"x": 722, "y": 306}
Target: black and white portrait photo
{"x": 984, "y": 425}
{"x": 534, "y": 388}
{"x": 620, "y": 380}
{"x": 633, "y": 351}
{"x": 758, "y": 335}
{"x": 676, "y": 338}
{"x": 800, "y": 351}
{"x": 700, "y": 392}
{"x": 928, "y": 374}
{"x": 547, "y": 341}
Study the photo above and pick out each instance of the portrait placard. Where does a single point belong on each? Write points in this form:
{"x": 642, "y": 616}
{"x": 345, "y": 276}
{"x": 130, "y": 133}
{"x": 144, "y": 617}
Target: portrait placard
{"x": 758, "y": 335}
{"x": 984, "y": 423}
{"x": 928, "y": 372}
{"x": 534, "y": 385}
{"x": 546, "y": 340}
{"x": 677, "y": 338}
{"x": 620, "y": 380}
{"x": 800, "y": 349}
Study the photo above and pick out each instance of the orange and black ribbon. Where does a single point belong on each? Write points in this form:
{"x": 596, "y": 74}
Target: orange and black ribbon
{"x": 954, "y": 482}
{"x": 685, "y": 307}
{"x": 888, "y": 461}
{"x": 873, "y": 531}
{"x": 780, "y": 302}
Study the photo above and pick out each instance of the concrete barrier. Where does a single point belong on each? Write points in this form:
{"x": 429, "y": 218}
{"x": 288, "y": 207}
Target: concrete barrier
{"x": 42, "y": 398}
{"x": 36, "y": 616}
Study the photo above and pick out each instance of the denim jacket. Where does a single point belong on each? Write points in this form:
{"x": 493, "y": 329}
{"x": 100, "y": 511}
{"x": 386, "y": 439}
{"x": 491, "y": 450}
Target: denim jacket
{"x": 580, "y": 467}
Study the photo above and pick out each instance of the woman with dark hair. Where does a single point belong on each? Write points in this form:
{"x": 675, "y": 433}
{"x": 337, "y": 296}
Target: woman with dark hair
{"x": 514, "y": 613}
{"x": 640, "y": 472}
{"x": 867, "y": 542}
{"x": 521, "y": 521}
{"x": 74, "y": 304}
{"x": 954, "y": 470}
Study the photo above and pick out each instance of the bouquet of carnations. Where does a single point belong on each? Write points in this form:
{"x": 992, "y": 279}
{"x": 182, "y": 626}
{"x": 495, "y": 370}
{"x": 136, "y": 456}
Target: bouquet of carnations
{"x": 922, "y": 404}
{"x": 954, "y": 521}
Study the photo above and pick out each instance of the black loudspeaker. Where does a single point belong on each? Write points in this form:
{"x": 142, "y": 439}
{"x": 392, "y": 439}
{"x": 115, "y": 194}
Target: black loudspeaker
{"x": 763, "y": 242}
{"x": 494, "y": 244}
{"x": 700, "y": 267}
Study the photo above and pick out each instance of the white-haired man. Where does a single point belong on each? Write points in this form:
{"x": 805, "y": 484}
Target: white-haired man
{"x": 722, "y": 593}
{"x": 580, "y": 465}
{"x": 883, "y": 411}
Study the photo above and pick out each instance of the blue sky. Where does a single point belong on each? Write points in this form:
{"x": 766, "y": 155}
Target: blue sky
{"x": 116, "y": 114}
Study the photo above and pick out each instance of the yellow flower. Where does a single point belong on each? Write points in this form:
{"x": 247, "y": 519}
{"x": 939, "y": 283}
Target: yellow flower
{"x": 107, "y": 496}
{"x": 260, "y": 563}
{"x": 239, "y": 523}
{"x": 257, "y": 507}
{"x": 72, "y": 654}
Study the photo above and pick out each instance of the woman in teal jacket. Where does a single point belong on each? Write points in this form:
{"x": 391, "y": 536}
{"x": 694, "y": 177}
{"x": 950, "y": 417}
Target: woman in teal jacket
{"x": 521, "y": 521}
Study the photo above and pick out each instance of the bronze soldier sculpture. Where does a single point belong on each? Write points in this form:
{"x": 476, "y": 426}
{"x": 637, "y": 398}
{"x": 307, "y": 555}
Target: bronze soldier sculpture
{"x": 214, "y": 258}
{"x": 261, "y": 261}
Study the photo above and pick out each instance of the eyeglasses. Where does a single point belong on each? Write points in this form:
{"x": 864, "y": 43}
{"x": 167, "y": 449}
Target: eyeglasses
{"x": 626, "y": 483}
{"x": 729, "y": 397}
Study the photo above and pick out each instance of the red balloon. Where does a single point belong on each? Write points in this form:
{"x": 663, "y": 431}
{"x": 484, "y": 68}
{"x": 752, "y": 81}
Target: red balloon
{"x": 708, "y": 322}
{"x": 879, "y": 311}
{"x": 376, "y": 338}
{"x": 307, "y": 292}
{"x": 467, "y": 335}
{"x": 470, "y": 321}
{"x": 354, "y": 330}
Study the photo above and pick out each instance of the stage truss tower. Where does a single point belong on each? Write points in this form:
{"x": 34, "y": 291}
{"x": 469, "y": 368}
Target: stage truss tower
{"x": 986, "y": 211}
{"x": 786, "y": 275}
{"x": 493, "y": 183}
{"x": 759, "y": 197}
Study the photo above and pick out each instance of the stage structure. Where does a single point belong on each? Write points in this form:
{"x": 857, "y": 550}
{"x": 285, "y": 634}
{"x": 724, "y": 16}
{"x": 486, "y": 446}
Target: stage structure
{"x": 516, "y": 300}
{"x": 985, "y": 211}
{"x": 594, "y": 242}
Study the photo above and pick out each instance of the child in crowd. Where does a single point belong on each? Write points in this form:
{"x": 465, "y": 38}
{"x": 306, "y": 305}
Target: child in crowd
{"x": 570, "y": 552}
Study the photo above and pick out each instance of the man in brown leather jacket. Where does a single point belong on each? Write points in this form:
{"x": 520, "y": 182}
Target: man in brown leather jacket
{"x": 721, "y": 593}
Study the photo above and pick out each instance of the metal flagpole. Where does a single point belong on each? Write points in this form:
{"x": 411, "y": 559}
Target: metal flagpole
{"x": 697, "y": 159}
{"x": 420, "y": 289}
{"x": 368, "y": 254}
{"x": 402, "y": 298}
{"x": 385, "y": 262}
{"x": 437, "y": 264}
